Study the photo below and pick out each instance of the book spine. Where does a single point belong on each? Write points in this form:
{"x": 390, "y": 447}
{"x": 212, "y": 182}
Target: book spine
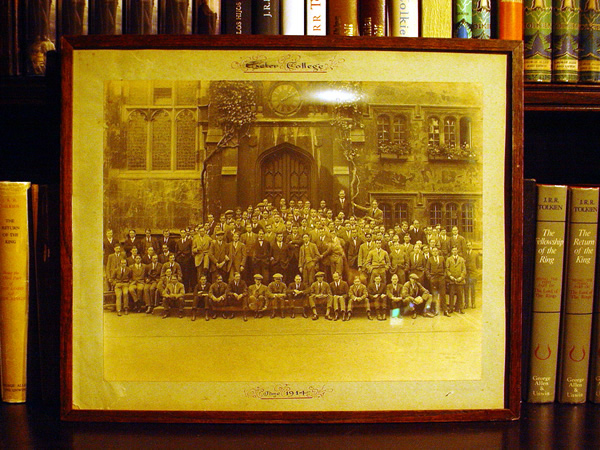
{"x": 72, "y": 17}
{"x": 538, "y": 41}
{"x": 39, "y": 35}
{"x": 293, "y": 22}
{"x": 106, "y": 17}
{"x": 576, "y": 321}
{"x": 174, "y": 17}
{"x": 372, "y": 18}
{"x": 565, "y": 41}
{"x": 265, "y": 18}
{"x": 436, "y": 18}
{"x": 237, "y": 16}
{"x": 140, "y": 17}
{"x": 463, "y": 19}
{"x": 589, "y": 36}
{"x": 14, "y": 289}
{"x": 316, "y": 17}
{"x": 547, "y": 292}
{"x": 9, "y": 40}
{"x": 510, "y": 19}
{"x": 594, "y": 373}
{"x": 404, "y": 18}
{"x": 206, "y": 17}
{"x": 482, "y": 19}
{"x": 342, "y": 17}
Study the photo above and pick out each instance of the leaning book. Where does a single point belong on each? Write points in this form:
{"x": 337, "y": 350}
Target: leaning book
{"x": 547, "y": 291}
{"x": 14, "y": 289}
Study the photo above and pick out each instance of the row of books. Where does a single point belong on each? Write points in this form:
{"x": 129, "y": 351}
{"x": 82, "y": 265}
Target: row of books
{"x": 28, "y": 30}
{"x": 561, "y": 41}
{"x": 563, "y": 315}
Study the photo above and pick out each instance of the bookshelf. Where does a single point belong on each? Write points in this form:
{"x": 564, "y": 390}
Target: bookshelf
{"x": 556, "y": 117}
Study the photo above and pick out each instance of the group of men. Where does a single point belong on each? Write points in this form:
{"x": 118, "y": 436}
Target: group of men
{"x": 276, "y": 258}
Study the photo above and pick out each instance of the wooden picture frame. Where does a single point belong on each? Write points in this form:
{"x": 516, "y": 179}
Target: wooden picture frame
{"x": 432, "y": 128}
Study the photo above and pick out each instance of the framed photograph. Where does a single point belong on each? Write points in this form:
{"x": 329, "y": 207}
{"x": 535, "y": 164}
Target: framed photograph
{"x": 291, "y": 229}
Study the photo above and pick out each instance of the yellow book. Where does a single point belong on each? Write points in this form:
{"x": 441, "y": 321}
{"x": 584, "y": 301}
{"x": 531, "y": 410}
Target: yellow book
{"x": 14, "y": 289}
{"x": 436, "y": 18}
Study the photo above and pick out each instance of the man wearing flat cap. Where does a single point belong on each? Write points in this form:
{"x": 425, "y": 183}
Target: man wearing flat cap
{"x": 415, "y": 298}
{"x": 276, "y": 292}
{"x": 257, "y": 296}
{"x": 320, "y": 291}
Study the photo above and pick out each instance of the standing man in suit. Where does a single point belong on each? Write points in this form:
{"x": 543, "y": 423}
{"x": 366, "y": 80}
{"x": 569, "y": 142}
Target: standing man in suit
{"x": 456, "y": 273}
{"x": 151, "y": 282}
{"x": 173, "y": 265}
{"x": 458, "y": 241}
{"x": 132, "y": 241}
{"x": 398, "y": 261}
{"x": 378, "y": 262}
{"x": 280, "y": 255}
{"x": 218, "y": 254}
{"x": 471, "y": 263}
{"x": 416, "y": 263}
{"x": 114, "y": 262}
{"x": 167, "y": 239}
{"x": 363, "y": 254}
{"x": 308, "y": 259}
{"x": 373, "y": 214}
{"x": 186, "y": 260}
{"x": 149, "y": 241}
{"x": 108, "y": 245}
{"x": 261, "y": 260}
{"x": 435, "y": 270}
{"x": 120, "y": 278}
{"x": 200, "y": 247}
{"x": 237, "y": 256}
{"x": 417, "y": 233}
{"x": 342, "y": 204}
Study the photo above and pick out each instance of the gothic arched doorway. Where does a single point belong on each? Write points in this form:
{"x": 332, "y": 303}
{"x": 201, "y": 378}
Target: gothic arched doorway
{"x": 286, "y": 172}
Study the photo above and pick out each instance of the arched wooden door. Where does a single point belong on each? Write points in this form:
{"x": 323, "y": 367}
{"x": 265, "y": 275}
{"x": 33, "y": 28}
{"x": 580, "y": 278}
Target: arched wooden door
{"x": 286, "y": 173}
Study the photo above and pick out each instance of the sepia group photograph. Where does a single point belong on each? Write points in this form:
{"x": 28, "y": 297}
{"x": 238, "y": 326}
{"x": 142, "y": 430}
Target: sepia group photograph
{"x": 268, "y": 230}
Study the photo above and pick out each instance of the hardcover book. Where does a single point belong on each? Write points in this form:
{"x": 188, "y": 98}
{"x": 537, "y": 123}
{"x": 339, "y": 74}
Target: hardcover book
{"x": 565, "y": 41}
{"x": 589, "y": 37}
{"x": 463, "y": 18}
{"x": 316, "y": 17}
{"x": 206, "y": 17}
{"x": 237, "y": 16}
{"x": 510, "y": 19}
{"x": 39, "y": 35}
{"x": 342, "y": 17}
{"x": 106, "y": 17}
{"x": 293, "y": 18}
{"x": 140, "y": 17}
{"x": 14, "y": 289}
{"x": 404, "y": 18}
{"x": 174, "y": 17}
{"x": 436, "y": 18}
{"x": 538, "y": 41}
{"x": 9, "y": 39}
{"x": 576, "y": 321}
{"x": 72, "y": 17}
{"x": 482, "y": 19}
{"x": 372, "y": 18}
{"x": 547, "y": 292}
{"x": 266, "y": 19}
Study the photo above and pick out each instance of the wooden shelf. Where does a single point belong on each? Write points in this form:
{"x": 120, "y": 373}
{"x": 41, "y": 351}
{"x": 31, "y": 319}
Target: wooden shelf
{"x": 562, "y": 97}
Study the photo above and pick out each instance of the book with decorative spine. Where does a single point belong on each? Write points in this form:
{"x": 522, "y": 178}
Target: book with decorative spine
{"x": 342, "y": 17}
{"x": 14, "y": 289}
{"x": 266, "y": 19}
{"x": 510, "y": 19}
{"x": 140, "y": 17}
{"x": 293, "y": 21}
{"x": 404, "y": 18}
{"x": 547, "y": 292}
{"x": 39, "y": 35}
{"x": 72, "y": 17}
{"x": 372, "y": 18}
{"x": 206, "y": 17}
{"x": 589, "y": 38}
{"x": 436, "y": 18}
{"x": 538, "y": 41}
{"x": 576, "y": 320}
{"x": 565, "y": 41}
{"x": 594, "y": 374}
{"x": 463, "y": 19}
{"x": 482, "y": 19}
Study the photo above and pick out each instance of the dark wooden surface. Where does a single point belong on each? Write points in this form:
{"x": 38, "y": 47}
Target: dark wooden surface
{"x": 542, "y": 426}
